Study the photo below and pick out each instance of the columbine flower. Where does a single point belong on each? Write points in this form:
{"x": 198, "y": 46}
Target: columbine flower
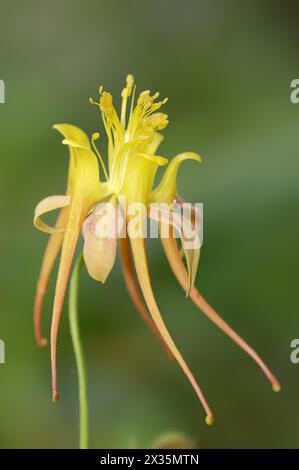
{"x": 132, "y": 166}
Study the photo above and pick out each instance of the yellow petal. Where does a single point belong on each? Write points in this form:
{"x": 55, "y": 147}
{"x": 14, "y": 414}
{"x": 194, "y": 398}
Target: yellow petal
{"x": 55, "y": 241}
{"x": 152, "y": 147}
{"x": 49, "y": 204}
{"x": 139, "y": 176}
{"x": 190, "y": 239}
{"x": 179, "y": 270}
{"x": 75, "y": 134}
{"x": 166, "y": 191}
{"x": 192, "y": 258}
{"x": 100, "y": 249}
{"x": 75, "y": 144}
{"x": 138, "y": 250}
{"x": 117, "y": 170}
{"x": 86, "y": 192}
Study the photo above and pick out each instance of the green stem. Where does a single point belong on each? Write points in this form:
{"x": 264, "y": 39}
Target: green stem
{"x": 74, "y": 327}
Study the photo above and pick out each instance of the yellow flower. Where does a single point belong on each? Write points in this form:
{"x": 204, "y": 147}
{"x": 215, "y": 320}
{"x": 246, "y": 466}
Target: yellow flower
{"x": 92, "y": 190}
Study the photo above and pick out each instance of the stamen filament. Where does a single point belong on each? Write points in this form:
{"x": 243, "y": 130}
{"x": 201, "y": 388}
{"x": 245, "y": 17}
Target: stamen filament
{"x": 126, "y": 93}
{"x": 132, "y": 101}
{"x": 95, "y": 136}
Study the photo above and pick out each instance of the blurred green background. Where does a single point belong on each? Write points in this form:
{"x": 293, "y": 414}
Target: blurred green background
{"x": 226, "y": 67}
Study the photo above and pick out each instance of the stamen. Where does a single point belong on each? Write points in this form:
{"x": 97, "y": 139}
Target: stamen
{"x": 156, "y": 121}
{"x": 132, "y": 102}
{"x": 106, "y": 104}
{"x": 95, "y": 136}
{"x": 113, "y": 127}
{"x": 145, "y": 107}
{"x": 126, "y": 93}
{"x": 92, "y": 101}
{"x": 110, "y": 120}
{"x": 130, "y": 82}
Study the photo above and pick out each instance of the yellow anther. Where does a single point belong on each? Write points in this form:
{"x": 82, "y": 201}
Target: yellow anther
{"x": 125, "y": 94}
{"x": 144, "y": 93}
{"x": 130, "y": 81}
{"x": 156, "y": 121}
{"x": 156, "y": 106}
{"x": 95, "y": 136}
{"x": 106, "y": 103}
{"x": 127, "y": 91}
{"x": 92, "y": 101}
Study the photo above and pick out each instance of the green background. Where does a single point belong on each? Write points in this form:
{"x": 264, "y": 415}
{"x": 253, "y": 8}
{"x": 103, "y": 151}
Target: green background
{"x": 227, "y": 68}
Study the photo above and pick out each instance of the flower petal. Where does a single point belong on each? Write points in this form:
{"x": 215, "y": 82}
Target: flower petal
{"x": 86, "y": 192}
{"x": 100, "y": 251}
{"x": 139, "y": 255}
{"x": 152, "y": 147}
{"x": 178, "y": 268}
{"x": 56, "y": 238}
{"x": 183, "y": 226}
{"x": 49, "y": 204}
{"x": 75, "y": 144}
{"x": 139, "y": 176}
{"x": 166, "y": 191}
{"x": 73, "y": 133}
